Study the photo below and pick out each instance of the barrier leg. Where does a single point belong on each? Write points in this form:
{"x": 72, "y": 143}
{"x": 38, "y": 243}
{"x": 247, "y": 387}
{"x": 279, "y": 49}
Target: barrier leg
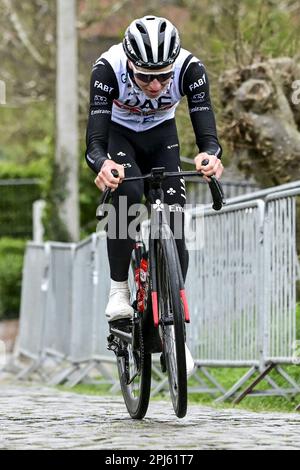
{"x": 160, "y": 382}
{"x": 212, "y": 380}
{"x": 80, "y": 374}
{"x": 61, "y": 376}
{"x": 289, "y": 379}
{"x": 33, "y": 367}
{"x": 237, "y": 386}
{"x": 253, "y": 385}
{"x": 160, "y": 386}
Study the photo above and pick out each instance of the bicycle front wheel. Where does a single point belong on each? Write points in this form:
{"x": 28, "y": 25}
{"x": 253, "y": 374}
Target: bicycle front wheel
{"x": 172, "y": 323}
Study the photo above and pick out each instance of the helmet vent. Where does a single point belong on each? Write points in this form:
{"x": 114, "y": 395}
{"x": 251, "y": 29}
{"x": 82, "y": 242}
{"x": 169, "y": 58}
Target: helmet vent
{"x": 172, "y": 45}
{"x": 163, "y": 27}
{"x": 135, "y": 47}
{"x": 141, "y": 29}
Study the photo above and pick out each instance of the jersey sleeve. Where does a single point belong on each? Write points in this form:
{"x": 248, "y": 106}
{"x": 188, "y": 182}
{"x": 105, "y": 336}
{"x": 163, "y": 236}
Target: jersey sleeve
{"x": 103, "y": 90}
{"x": 196, "y": 87}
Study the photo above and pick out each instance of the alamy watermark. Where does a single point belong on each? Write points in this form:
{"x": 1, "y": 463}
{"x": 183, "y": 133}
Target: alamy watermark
{"x": 296, "y": 94}
{"x": 128, "y": 221}
{"x": 2, "y": 354}
{"x": 296, "y": 352}
{"x": 2, "y": 92}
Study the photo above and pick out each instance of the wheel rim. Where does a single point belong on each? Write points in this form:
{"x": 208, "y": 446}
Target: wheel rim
{"x": 167, "y": 331}
{"x": 171, "y": 361}
{"x": 133, "y": 364}
{"x": 176, "y": 377}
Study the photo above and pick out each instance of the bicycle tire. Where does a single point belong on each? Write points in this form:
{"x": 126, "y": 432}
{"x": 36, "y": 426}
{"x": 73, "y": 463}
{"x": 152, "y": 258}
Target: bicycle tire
{"x": 173, "y": 335}
{"x": 136, "y": 401}
{"x": 137, "y": 393}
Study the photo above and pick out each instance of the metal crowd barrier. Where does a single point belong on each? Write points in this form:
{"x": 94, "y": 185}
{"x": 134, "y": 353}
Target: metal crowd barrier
{"x": 241, "y": 287}
{"x": 33, "y": 301}
{"x": 58, "y": 312}
{"x": 281, "y": 265}
{"x": 224, "y": 288}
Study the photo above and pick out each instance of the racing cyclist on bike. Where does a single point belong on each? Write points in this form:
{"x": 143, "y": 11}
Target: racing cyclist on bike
{"x": 134, "y": 90}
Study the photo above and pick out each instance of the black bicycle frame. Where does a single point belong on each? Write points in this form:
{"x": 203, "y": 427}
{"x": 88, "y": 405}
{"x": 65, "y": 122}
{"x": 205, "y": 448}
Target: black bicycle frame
{"x": 160, "y": 224}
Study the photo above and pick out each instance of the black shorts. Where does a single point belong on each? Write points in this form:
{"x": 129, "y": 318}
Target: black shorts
{"x": 139, "y": 152}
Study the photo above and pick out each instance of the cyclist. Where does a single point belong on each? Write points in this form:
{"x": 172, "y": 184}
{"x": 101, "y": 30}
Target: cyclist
{"x": 135, "y": 88}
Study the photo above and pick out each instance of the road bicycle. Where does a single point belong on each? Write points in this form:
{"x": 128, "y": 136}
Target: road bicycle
{"x": 159, "y": 303}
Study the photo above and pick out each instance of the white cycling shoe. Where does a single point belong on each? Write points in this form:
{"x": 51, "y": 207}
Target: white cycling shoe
{"x": 118, "y": 306}
{"x": 190, "y": 365}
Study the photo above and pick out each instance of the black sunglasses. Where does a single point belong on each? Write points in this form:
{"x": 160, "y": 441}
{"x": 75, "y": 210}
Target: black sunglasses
{"x": 147, "y": 78}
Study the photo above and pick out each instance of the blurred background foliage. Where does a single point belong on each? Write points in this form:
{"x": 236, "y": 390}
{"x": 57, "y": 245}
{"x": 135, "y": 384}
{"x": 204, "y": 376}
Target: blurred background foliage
{"x": 224, "y": 35}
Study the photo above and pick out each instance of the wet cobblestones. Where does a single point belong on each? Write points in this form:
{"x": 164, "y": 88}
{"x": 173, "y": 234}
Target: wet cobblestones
{"x": 34, "y": 417}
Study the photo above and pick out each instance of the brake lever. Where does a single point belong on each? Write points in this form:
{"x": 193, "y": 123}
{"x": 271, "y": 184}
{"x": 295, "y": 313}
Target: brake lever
{"x": 100, "y": 214}
{"x": 216, "y": 190}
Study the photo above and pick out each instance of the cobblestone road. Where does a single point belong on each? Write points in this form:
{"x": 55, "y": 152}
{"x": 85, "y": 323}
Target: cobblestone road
{"x": 34, "y": 417}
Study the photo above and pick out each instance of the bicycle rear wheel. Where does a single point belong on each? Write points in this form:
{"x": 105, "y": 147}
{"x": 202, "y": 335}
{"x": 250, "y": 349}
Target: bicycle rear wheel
{"x": 172, "y": 323}
{"x": 134, "y": 368}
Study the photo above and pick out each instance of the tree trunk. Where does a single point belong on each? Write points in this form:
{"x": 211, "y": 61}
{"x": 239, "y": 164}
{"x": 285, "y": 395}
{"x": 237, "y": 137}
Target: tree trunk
{"x": 67, "y": 114}
{"x": 263, "y": 120}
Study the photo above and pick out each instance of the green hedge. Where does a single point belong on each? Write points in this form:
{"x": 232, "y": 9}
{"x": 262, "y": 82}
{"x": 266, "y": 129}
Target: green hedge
{"x": 12, "y": 170}
{"x": 11, "y": 262}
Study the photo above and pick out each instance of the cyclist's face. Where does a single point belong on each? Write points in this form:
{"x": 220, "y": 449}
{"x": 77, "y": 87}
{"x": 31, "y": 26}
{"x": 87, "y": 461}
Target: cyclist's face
{"x": 148, "y": 83}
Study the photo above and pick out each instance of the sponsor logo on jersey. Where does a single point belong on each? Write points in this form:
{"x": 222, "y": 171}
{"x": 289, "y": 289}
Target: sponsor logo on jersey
{"x": 199, "y": 83}
{"x": 100, "y": 100}
{"x": 199, "y": 108}
{"x": 124, "y": 77}
{"x": 149, "y": 118}
{"x": 100, "y": 111}
{"x": 103, "y": 87}
{"x": 135, "y": 105}
{"x": 199, "y": 97}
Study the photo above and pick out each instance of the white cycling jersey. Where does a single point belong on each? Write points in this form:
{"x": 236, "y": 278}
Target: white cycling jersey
{"x": 115, "y": 97}
{"x": 133, "y": 109}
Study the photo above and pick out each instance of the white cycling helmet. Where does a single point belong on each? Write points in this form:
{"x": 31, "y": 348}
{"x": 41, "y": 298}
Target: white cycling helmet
{"x": 151, "y": 42}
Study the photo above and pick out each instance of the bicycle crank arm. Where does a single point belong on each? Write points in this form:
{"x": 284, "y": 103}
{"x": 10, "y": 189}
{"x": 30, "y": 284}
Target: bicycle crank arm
{"x": 127, "y": 337}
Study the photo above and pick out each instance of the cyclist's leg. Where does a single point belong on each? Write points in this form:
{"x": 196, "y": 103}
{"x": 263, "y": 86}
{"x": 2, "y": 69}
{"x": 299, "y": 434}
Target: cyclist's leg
{"x": 120, "y": 244}
{"x": 174, "y": 196}
{"x": 166, "y": 153}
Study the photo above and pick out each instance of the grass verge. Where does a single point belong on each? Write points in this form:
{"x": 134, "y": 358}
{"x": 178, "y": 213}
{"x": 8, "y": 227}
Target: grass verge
{"x": 226, "y": 377}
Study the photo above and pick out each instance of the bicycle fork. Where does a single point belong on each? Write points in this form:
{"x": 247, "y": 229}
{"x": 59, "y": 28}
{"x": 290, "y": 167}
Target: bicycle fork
{"x": 153, "y": 284}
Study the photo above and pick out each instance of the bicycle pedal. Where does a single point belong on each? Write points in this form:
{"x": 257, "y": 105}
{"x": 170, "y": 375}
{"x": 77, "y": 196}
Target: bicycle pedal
{"x": 112, "y": 344}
